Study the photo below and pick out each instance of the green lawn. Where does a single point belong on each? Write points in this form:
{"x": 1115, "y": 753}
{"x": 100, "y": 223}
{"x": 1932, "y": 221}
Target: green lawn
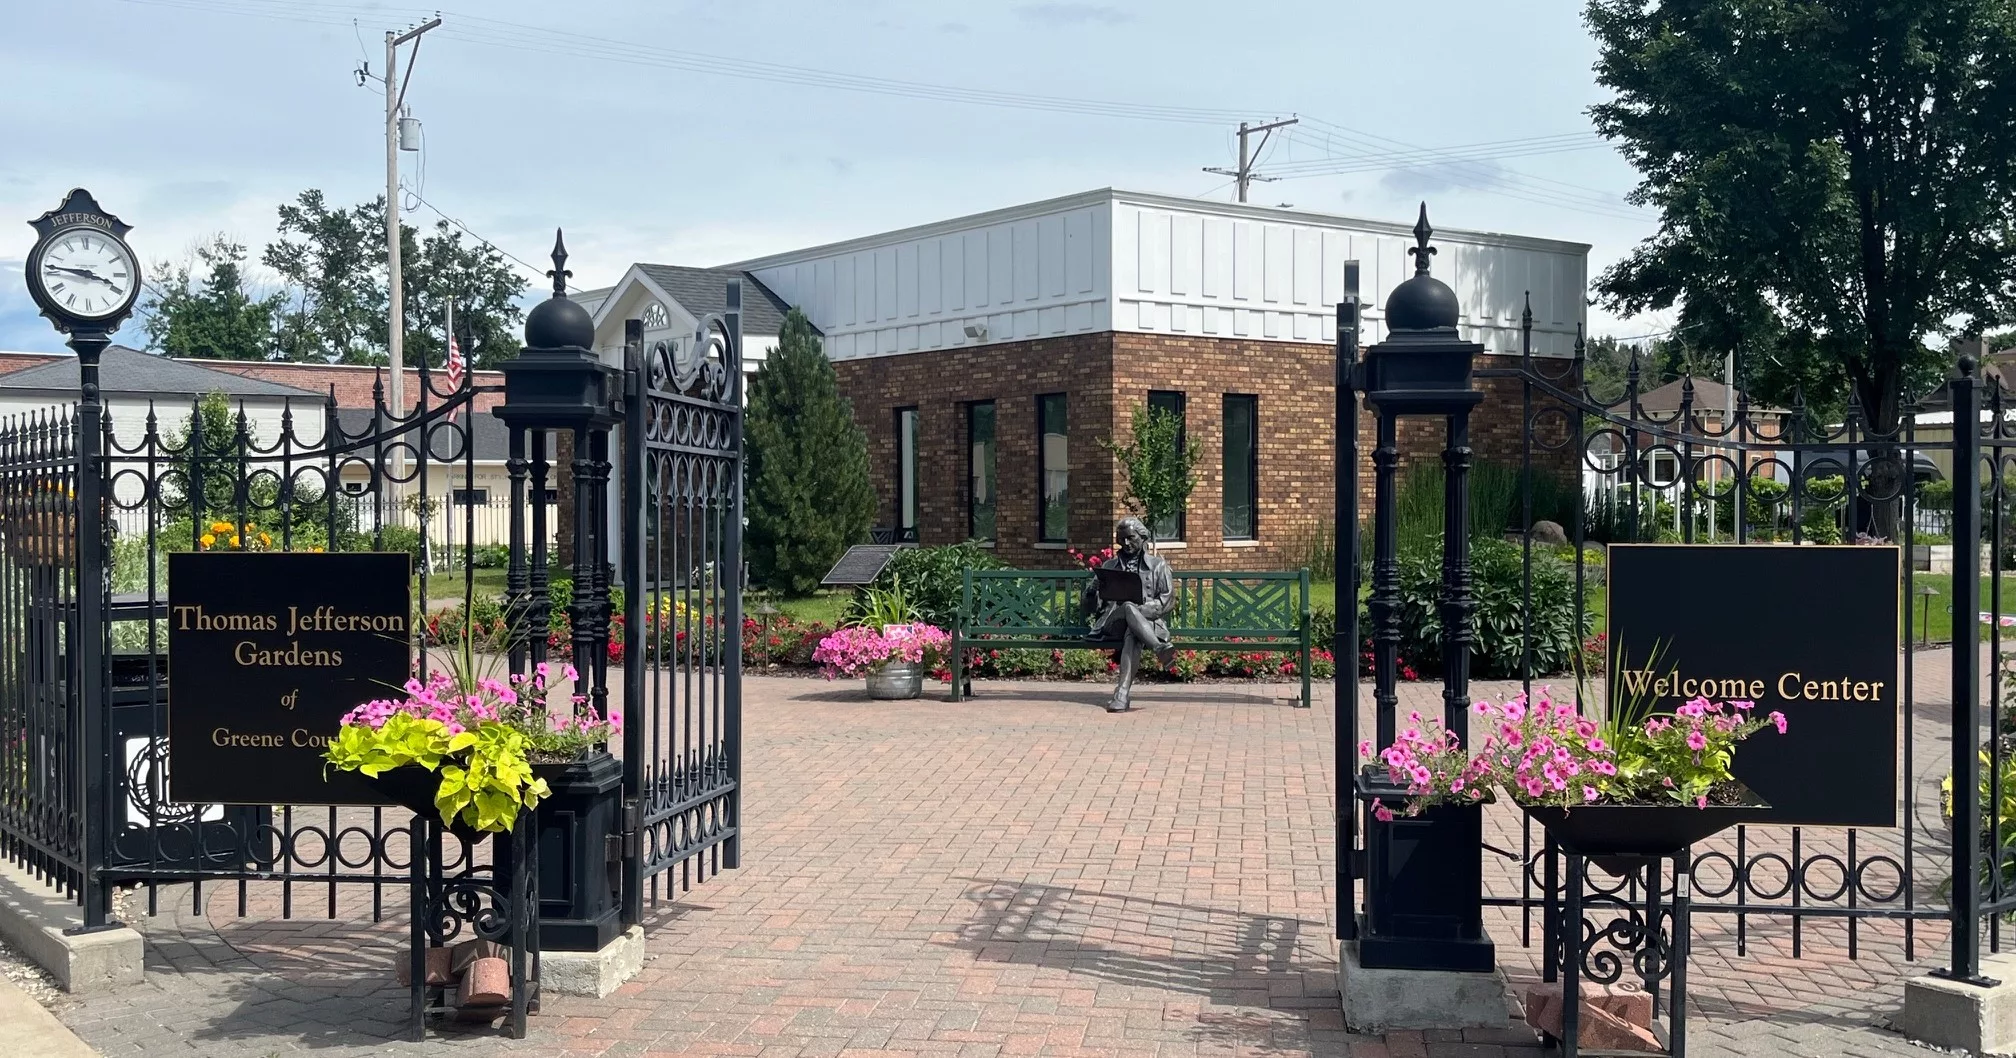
{"x": 448, "y": 586}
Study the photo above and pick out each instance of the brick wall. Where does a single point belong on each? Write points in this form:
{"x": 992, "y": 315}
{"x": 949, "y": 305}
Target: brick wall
{"x": 940, "y": 384}
{"x": 1106, "y": 375}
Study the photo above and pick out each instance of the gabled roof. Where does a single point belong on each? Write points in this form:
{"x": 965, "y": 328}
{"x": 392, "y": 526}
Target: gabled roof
{"x": 131, "y": 373}
{"x": 1710, "y": 397}
{"x": 489, "y": 435}
{"x": 705, "y": 290}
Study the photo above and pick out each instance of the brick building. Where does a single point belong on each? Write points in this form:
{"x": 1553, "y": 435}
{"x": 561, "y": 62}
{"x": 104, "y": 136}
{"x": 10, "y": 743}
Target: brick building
{"x": 988, "y": 358}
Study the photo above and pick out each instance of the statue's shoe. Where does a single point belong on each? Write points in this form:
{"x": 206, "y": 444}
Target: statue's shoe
{"x": 1165, "y": 655}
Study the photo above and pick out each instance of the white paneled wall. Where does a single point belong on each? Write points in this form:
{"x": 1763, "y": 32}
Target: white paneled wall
{"x": 1119, "y": 260}
{"x": 1019, "y": 277}
{"x": 1193, "y": 269}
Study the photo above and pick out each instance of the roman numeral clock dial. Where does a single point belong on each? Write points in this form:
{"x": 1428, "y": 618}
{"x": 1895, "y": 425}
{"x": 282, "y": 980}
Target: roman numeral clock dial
{"x": 81, "y": 271}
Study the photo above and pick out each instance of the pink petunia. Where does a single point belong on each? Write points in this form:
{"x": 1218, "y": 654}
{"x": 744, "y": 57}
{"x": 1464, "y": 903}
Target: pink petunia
{"x": 1701, "y": 801}
{"x": 1589, "y": 793}
{"x": 1778, "y": 719}
{"x": 1365, "y": 748}
{"x": 1696, "y": 741}
{"x": 1382, "y": 813}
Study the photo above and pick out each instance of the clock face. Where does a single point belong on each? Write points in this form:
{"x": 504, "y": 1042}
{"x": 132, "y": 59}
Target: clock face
{"x": 86, "y": 273}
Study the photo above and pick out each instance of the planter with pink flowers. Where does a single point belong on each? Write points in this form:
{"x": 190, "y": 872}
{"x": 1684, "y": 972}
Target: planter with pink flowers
{"x": 891, "y": 659}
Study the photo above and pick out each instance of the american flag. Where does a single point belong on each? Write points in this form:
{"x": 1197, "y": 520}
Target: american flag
{"x": 455, "y": 365}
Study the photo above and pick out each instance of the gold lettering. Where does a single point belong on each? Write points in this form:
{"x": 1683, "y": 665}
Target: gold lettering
{"x": 1875, "y": 690}
{"x": 1782, "y": 692}
{"x": 225, "y": 737}
{"x": 303, "y": 737}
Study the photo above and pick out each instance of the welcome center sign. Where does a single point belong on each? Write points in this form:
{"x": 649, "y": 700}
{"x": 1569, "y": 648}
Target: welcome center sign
{"x": 1810, "y": 631}
{"x": 267, "y": 651}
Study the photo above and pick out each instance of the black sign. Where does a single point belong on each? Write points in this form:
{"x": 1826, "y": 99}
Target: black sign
{"x": 1811, "y": 632}
{"x": 861, "y": 564}
{"x": 267, "y": 651}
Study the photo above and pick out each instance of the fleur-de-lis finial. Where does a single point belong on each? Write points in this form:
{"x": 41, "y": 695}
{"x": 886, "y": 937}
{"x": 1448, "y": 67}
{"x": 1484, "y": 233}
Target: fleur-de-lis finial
{"x": 559, "y": 274}
{"x": 1421, "y": 251}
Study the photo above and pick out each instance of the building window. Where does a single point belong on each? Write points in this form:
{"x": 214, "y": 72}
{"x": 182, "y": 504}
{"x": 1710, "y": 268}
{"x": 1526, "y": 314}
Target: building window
{"x": 906, "y": 475}
{"x": 1242, "y": 467}
{"x": 1053, "y": 470}
{"x": 471, "y": 497}
{"x": 1170, "y": 528}
{"x": 980, "y": 470}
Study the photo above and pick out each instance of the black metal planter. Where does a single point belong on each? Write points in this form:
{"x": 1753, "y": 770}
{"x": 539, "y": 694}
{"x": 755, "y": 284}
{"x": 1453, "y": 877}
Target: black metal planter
{"x": 414, "y": 787}
{"x": 579, "y": 854}
{"x": 1424, "y": 884}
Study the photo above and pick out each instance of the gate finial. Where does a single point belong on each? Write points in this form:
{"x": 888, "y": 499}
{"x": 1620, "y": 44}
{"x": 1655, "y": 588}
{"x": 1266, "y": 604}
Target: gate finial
{"x": 1421, "y": 251}
{"x": 560, "y": 275}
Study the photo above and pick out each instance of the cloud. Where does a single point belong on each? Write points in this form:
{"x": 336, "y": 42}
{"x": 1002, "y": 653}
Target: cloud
{"x": 1448, "y": 176}
{"x": 1072, "y": 14}
{"x": 953, "y": 27}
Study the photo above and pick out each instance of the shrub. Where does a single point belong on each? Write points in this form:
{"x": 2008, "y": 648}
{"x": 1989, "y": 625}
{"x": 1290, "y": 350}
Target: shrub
{"x": 810, "y": 494}
{"x": 931, "y": 579}
{"x": 1497, "y": 578}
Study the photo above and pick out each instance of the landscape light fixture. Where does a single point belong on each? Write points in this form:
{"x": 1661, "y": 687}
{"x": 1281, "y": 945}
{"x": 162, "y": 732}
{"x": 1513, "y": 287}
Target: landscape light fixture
{"x": 976, "y": 331}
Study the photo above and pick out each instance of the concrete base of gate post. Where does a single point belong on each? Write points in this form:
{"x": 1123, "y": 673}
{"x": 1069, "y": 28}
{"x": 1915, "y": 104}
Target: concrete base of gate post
{"x": 33, "y": 918}
{"x": 1376, "y": 999}
{"x": 593, "y": 973}
{"x": 1960, "y": 1016}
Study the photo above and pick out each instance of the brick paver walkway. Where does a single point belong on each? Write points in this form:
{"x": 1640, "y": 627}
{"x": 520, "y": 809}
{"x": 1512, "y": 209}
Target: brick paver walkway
{"x": 1021, "y": 874}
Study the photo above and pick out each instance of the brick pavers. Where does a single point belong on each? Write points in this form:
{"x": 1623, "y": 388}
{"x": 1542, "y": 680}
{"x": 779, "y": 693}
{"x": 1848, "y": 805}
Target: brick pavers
{"x": 1019, "y": 874}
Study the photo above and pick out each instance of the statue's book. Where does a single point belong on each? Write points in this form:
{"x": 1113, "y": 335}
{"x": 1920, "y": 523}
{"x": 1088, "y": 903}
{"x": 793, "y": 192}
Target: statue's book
{"x": 1119, "y": 585}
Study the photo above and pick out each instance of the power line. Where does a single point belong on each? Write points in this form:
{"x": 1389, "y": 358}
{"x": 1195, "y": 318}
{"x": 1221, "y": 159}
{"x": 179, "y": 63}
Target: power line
{"x": 537, "y": 272}
{"x": 1244, "y": 175}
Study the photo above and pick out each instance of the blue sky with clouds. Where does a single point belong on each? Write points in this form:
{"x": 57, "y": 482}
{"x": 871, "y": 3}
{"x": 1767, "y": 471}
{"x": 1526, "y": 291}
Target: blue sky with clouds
{"x": 703, "y": 131}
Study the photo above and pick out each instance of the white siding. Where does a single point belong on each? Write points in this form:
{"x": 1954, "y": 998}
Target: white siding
{"x": 1278, "y": 276}
{"x": 1022, "y": 277}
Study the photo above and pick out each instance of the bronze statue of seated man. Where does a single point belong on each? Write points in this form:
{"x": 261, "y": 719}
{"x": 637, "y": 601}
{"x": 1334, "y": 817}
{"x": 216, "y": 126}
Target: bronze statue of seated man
{"x": 1137, "y": 625}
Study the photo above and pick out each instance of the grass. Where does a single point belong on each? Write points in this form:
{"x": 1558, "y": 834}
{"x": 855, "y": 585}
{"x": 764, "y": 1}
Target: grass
{"x": 449, "y": 586}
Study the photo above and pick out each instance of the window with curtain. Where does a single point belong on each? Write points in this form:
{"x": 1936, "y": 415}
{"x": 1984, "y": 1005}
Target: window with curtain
{"x": 1053, "y": 456}
{"x": 906, "y": 475}
{"x": 1242, "y": 467}
{"x": 980, "y": 470}
{"x": 1172, "y": 403}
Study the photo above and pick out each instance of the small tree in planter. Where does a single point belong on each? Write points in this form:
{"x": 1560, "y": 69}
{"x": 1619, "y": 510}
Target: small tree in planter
{"x": 1159, "y": 468}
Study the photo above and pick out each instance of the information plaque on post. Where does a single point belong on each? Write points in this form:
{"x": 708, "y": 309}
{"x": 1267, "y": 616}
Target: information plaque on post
{"x": 269, "y": 650}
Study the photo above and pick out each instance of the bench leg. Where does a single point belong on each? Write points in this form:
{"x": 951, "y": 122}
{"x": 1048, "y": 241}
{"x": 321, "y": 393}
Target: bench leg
{"x": 958, "y": 668}
{"x": 1308, "y": 656}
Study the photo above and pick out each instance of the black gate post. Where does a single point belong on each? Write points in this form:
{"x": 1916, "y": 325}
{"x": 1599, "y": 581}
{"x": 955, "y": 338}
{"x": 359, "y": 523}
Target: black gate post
{"x": 1966, "y": 829}
{"x": 558, "y": 385}
{"x": 1344, "y": 640}
{"x": 91, "y": 707}
{"x": 1424, "y": 875}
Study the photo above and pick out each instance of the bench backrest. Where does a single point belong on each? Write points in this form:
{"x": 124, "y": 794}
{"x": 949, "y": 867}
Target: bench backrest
{"x": 1214, "y": 604}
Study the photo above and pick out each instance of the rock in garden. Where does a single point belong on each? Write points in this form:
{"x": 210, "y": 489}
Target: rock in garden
{"x": 1549, "y": 533}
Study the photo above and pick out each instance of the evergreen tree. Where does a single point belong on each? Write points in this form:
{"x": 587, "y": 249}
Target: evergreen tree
{"x": 809, "y": 495}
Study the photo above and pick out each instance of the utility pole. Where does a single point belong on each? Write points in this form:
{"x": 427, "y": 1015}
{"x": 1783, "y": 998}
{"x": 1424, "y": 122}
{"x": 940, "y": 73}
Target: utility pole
{"x": 1245, "y": 175}
{"x": 395, "y": 95}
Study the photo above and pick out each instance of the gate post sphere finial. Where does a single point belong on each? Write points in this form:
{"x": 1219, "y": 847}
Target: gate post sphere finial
{"x": 557, "y": 322}
{"x": 1422, "y": 303}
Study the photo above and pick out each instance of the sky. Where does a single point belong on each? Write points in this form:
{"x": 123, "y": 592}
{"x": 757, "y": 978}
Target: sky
{"x": 701, "y": 132}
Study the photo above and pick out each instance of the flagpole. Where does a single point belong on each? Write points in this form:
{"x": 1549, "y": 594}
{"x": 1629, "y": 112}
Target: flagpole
{"x": 447, "y": 362}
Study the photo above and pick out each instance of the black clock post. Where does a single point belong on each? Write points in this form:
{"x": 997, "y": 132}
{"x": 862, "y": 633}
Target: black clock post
{"x": 80, "y": 224}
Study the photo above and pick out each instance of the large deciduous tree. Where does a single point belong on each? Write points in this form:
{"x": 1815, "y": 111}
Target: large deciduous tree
{"x": 205, "y": 307}
{"x": 809, "y": 493}
{"x": 1836, "y": 181}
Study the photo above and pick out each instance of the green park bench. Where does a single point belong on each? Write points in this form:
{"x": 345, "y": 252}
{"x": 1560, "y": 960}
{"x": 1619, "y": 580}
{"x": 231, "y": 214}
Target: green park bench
{"x": 1008, "y": 608}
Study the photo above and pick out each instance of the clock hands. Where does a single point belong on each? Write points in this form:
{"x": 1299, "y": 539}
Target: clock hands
{"x": 86, "y": 273}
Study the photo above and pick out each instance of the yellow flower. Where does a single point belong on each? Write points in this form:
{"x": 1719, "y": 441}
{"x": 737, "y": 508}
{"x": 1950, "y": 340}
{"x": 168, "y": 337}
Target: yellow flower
{"x": 207, "y": 540}
{"x": 234, "y": 540}
{"x": 315, "y": 550}
{"x": 220, "y": 527}
{"x": 265, "y": 541}
{"x": 249, "y": 526}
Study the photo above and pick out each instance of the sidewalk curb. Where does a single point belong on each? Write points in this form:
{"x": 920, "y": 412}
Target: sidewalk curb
{"x": 33, "y": 1032}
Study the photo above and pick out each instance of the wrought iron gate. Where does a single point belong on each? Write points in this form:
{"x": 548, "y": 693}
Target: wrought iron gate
{"x": 1704, "y": 475}
{"x": 89, "y": 506}
{"x": 682, "y": 667}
